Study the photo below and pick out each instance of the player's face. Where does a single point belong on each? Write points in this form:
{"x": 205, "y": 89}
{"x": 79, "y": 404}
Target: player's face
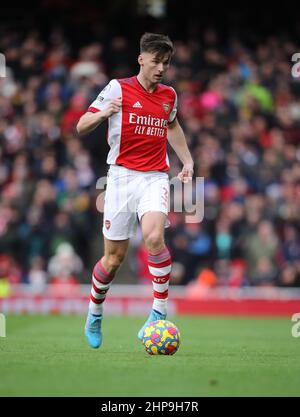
{"x": 154, "y": 67}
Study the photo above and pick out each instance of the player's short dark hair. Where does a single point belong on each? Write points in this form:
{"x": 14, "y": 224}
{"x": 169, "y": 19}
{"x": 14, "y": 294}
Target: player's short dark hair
{"x": 161, "y": 45}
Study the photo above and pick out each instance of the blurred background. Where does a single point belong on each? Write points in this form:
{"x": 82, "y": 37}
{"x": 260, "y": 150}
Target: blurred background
{"x": 239, "y": 106}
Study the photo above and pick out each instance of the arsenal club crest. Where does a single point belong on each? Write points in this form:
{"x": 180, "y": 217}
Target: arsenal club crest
{"x": 107, "y": 224}
{"x": 166, "y": 107}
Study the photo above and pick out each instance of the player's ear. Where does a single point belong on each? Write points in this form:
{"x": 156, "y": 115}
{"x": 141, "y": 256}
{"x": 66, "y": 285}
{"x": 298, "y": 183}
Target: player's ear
{"x": 140, "y": 60}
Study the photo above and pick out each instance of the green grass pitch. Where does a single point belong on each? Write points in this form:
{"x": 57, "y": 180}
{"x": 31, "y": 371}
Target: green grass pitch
{"x": 218, "y": 356}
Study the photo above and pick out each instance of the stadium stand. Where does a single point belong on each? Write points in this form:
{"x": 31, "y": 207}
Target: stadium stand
{"x": 240, "y": 108}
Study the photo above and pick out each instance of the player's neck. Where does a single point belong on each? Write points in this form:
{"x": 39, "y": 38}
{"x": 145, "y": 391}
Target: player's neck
{"x": 148, "y": 86}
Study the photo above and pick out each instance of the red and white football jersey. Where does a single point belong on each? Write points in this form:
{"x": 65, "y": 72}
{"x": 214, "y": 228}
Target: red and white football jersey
{"x": 137, "y": 134}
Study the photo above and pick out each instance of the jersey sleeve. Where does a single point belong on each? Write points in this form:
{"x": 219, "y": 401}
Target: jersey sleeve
{"x": 111, "y": 91}
{"x": 173, "y": 113}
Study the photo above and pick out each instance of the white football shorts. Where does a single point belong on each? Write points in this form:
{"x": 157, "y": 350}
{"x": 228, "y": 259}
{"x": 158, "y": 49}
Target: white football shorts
{"x": 129, "y": 195}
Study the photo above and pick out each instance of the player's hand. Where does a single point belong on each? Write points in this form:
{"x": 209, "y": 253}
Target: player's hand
{"x": 187, "y": 172}
{"x": 113, "y": 107}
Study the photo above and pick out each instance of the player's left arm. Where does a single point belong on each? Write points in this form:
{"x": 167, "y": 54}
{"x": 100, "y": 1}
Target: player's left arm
{"x": 177, "y": 140}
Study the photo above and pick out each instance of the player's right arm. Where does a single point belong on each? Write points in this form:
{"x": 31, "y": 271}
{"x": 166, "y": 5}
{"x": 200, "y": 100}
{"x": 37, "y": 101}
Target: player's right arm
{"x": 107, "y": 103}
{"x": 89, "y": 121}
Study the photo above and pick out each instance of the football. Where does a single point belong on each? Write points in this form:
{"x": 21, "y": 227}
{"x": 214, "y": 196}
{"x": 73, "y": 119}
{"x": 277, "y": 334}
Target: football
{"x": 161, "y": 337}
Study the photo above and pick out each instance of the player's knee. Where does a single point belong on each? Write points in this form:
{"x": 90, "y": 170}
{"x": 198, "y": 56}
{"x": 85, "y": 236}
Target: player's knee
{"x": 115, "y": 260}
{"x": 154, "y": 242}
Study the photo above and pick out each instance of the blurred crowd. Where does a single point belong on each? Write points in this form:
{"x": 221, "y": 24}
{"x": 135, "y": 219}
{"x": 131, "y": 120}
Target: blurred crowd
{"x": 239, "y": 107}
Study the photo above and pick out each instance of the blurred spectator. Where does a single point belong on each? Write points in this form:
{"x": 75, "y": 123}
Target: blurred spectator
{"x": 290, "y": 246}
{"x": 200, "y": 287}
{"x": 289, "y": 277}
{"x": 177, "y": 273}
{"x": 65, "y": 262}
{"x": 260, "y": 253}
{"x": 9, "y": 274}
{"x": 37, "y": 276}
{"x": 64, "y": 269}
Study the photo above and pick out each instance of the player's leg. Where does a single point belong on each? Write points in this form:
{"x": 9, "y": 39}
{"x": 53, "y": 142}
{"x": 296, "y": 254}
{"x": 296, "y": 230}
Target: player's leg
{"x": 119, "y": 224}
{"x": 103, "y": 274}
{"x": 159, "y": 263}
